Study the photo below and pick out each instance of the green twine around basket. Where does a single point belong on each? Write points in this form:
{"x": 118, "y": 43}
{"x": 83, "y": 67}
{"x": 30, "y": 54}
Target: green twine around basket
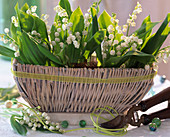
{"x": 83, "y": 79}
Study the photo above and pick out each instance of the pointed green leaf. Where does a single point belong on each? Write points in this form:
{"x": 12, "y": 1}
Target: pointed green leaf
{"x": 26, "y": 22}
{"x": 147, "y": 19}
{"x": 77, "y": 19}
{"x": 70, "y": 49}
{"x": 40, "y": 27}
{"x": 56, "y": 18}
{"x": 62, "y": 56}
{"x": 52, "y": 34}
{"x": 146, "y": 28}
{"x": 30, "y": 50}
{"x": 104, "y": 20}
{"x": 18, "y": 15}
{"x": 146, "y": 40}
{"x": 13, "y": 31}
{"x": 65, "y": 4}
{"x": 94, "y": 43}
{"x": 6, "y": 52}
{"x": 95, "y": 28}
{"x": 73, "y": 53}
{"x": 89, "y": 34}
{"x": 25, "y": 7}
{"x": 17, "y": 127}
{"x": 137, "y": 56}
{"x": 154, "y": 43}
{"x": 48, "y": 54}
{"x": 8, "y": 93}
{"x": 22, "y": 55}
{"x": 56, "y": 48}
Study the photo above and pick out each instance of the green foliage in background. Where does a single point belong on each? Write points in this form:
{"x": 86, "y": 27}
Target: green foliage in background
{"x": 8, "y": 93}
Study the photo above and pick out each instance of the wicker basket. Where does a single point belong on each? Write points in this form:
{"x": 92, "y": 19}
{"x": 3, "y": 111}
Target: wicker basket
{"x": 81, "y": 89}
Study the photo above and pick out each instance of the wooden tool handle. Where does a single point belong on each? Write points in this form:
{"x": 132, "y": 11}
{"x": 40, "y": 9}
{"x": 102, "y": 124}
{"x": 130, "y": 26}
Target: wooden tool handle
{"x": 156, "y": 99}
{"x": 163, "y": 114}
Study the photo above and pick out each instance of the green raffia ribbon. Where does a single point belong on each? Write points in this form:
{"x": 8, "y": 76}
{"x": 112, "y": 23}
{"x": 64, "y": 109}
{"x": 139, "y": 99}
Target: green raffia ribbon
{"x": 82, "y": 79}
{"x": 100, "y": 130}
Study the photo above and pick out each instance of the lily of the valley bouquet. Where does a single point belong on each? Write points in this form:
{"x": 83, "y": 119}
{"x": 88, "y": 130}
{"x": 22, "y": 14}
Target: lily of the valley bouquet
{"x": 84, "y": 40}
{"x": 78, "y": 40}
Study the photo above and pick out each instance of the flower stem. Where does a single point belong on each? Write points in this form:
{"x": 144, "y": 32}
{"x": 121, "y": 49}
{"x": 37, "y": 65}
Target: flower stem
{"x": 128, "y": 30}
{"x": 40, "y": 120}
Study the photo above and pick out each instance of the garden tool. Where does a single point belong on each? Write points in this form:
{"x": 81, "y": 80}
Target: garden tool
{"x": 132, "y": 116}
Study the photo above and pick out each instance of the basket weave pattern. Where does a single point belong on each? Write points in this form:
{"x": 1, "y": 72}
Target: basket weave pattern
{"x": 62, "y": 96}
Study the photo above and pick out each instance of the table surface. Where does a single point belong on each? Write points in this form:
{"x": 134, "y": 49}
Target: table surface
{"x": 6, "y": 80}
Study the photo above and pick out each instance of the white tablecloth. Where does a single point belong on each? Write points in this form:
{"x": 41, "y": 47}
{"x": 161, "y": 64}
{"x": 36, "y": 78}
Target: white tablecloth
{"x": 143, "y": 131}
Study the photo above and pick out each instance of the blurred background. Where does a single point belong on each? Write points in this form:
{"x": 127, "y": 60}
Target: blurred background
{"x": 158, "y": 10}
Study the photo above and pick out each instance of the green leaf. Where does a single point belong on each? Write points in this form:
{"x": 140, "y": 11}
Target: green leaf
{"x": 17, "y": 127}
{"x": 30, "y": 50}
{"x": 8, "y": 112}
{"x": 146, "y": 28}
{"x": 62, "y": 56}
{"x": 22, "y": 56}
{"x": 52, "y": 34}
{"x": 154, "y": 43}
{"x": 25, "y": 7}
{"x": 13, "y": 32}
{"x": 77, "y": 19}
{"x": 72, "y": 53}
{"x": 8, "y": 93}
{"x": 94, "y": 43}
{"x": 135, "y": 55}
{"x": 14, "y": 109}
{"x": 18, "y": 15}
{"x": 4, "y": 91}
{"x": 104, "y": 20}
{"x": 65, "y": 4}
{"x": 26, "y": 22}
{"x": 146, "y": 40}
{"x": 95, "y": 28}
{"x": 40, "y": 27}
{"x": 147, "y": 19}
{"x": 4, "y": 115}
{"x": 48, "y": 54}
{"x": 6, "y": 52}
{"x": 56, "y": 48}
{"x": 56, "y": 18}
{"x": 89, "y": 34}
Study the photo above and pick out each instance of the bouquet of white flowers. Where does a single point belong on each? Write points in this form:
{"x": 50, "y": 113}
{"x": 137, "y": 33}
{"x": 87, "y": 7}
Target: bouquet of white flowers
{"x": 77, "y": 40}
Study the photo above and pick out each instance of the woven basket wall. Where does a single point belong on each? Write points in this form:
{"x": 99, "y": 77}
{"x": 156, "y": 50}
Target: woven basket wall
{"x": 72, "y": 96}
